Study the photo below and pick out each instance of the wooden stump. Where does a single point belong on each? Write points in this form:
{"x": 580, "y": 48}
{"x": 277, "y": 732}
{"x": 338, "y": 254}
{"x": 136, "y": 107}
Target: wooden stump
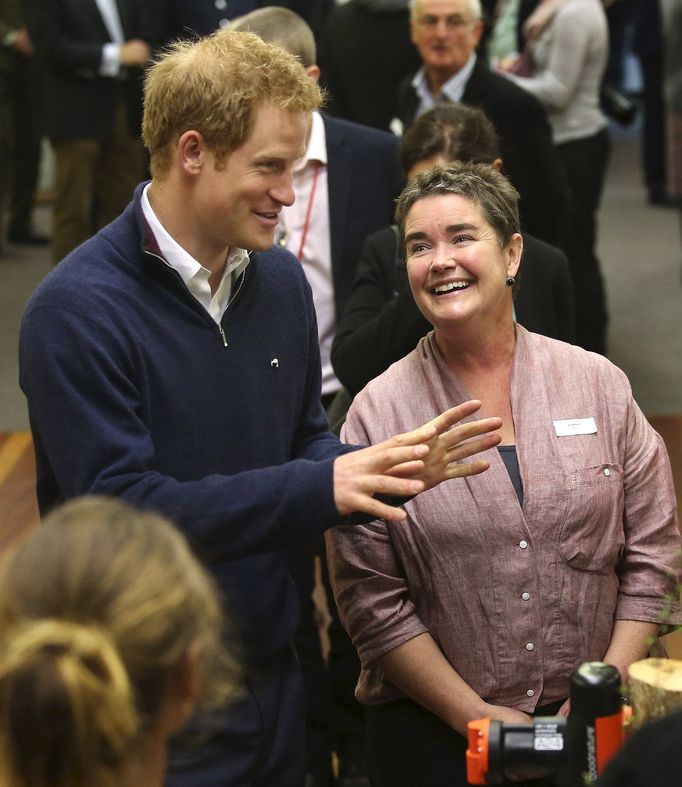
{"x": 655, "y": 689}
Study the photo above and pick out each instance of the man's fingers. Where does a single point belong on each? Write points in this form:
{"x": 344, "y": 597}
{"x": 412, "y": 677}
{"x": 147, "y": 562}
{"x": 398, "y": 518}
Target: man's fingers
{"x": 471, "y": 447}
{"x": 384, "y": 456}
{"x": 379, "y": 510}
{"x": 406, "y": 469}
{"x": 450, "y": 417}
{"x": 466, "y": 469}
{"x": 470, "y": 429}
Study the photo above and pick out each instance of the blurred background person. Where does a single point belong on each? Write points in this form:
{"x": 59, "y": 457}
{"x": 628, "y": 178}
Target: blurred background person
{"x": 365, "y": 53}
{"x": 647, "y": 44}
{"x": 382, "y": 322}
{"x": 569, "y": 58}
{"x": 20, "y": 127}
{"x": 651, "y": 756}
{"x": 482, "y": 602}
{"x": 672, "y": 26}
{"x": 92, "y": 55}
{"x": 446, "y": 34}
{"x": 173, "y": 19}
{"x": 110, "y": 638}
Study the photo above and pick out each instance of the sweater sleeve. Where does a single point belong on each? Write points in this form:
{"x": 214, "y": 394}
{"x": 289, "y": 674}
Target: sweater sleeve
{"x": 370, "y": 587}
{"x": 91, "y": 429}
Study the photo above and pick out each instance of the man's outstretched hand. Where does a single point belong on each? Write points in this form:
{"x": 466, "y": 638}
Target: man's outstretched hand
{"x": 409, "y": 463}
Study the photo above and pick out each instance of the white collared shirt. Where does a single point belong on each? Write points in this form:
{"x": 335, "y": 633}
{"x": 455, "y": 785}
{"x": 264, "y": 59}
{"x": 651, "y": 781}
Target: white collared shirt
{"x": 111, "y": 59}
{"x": 193, "y": 274}
{"x": 452, "y": 91}
{"x": 316, "y": 255}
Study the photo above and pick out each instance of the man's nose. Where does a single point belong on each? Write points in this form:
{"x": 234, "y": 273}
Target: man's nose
{"x": 283, "y": 190}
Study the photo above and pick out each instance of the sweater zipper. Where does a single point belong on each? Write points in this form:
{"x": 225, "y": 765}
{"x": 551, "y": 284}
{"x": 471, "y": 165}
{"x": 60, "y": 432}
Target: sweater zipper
{"x": 229, "y": 303}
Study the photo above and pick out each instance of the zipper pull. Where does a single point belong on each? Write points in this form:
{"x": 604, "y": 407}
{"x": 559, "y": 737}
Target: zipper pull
{"x": 222, "y": 333}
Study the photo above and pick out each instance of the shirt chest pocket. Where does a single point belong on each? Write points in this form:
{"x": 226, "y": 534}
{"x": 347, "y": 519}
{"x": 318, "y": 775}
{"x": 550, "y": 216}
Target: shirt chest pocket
{"x": 592, "y": 537}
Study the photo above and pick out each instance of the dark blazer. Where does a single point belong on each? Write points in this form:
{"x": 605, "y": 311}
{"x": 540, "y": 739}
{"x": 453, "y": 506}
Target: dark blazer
{"x": 68, "y": 36}
{"x": 363, "y": 180}
{"x": 530, "y": 159}
{"x": 357, "y": 41}
{"x": 382, "y": 323}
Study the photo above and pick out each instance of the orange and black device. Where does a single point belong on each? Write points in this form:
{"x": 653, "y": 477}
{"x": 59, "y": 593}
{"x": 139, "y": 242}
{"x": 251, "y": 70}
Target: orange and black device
{"x": 572, "y": 751}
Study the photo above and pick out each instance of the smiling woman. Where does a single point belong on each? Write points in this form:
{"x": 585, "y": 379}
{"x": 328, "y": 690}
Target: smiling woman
{"x": 482, "y": 602}
{"x": 463, "y": 246}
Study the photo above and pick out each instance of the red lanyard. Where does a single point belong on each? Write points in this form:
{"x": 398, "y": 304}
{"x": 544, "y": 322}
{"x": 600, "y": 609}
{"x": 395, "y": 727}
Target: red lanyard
{"x": 309, "y": 210}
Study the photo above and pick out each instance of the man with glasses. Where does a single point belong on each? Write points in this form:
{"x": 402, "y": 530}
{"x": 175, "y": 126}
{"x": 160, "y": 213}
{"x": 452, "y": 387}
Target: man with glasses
{"x": 446, "y": 34}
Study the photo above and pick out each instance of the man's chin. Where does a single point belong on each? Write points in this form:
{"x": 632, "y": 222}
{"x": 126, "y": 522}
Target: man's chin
{"x": 261, "y": 242}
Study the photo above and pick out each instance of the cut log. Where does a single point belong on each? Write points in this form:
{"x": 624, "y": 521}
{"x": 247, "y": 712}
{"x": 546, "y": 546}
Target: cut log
{"x": 655, "y": 688}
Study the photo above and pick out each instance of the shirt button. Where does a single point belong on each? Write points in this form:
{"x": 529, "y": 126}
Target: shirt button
{"x": 530, "y": 693}
{"x": 220, "y": 4}
{"x": 530, "y": 646}
{"x": 525, "y": 596}
{"x": 223, "y": 23}
{"x": 523, "y": 544}
{"x": 607, "y": 472}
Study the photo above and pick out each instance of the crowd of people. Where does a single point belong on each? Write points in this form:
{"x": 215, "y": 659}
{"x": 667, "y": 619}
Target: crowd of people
{"x": 233, "y": 281}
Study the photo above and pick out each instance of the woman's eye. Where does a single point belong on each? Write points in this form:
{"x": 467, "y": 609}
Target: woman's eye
{"x": 462, "y": 238}
{"x": 417, "y": 247}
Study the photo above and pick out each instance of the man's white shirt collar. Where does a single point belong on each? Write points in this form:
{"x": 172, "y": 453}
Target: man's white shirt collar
{"x": 193, "y": 274}
{"x": 316, "y": 149}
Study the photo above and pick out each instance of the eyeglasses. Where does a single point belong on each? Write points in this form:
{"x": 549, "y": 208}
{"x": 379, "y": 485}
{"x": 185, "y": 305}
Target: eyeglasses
{"x": 452, "y": 22}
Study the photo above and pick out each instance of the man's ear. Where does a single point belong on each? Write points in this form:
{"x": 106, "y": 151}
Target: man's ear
{"x": 313, "y": 72}
{"x": 191, "y": 152}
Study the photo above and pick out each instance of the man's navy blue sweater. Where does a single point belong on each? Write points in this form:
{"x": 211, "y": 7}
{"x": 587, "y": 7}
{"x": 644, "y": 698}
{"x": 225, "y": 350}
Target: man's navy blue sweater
{"x": 132, "y": 392}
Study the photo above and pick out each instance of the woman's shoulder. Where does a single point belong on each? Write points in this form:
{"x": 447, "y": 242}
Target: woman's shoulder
{"x": 563, "y": 358}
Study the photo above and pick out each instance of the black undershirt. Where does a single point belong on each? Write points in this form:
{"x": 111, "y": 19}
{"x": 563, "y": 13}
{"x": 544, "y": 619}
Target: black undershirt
{"x": 511, "y": 462}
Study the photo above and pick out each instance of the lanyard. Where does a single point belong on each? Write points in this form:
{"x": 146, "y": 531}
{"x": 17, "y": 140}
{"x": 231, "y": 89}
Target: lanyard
{"x": 308, "y": 212}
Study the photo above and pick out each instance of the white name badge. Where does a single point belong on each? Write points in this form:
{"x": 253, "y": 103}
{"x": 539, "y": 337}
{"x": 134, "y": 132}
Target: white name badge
{"x": 575, "y": 426}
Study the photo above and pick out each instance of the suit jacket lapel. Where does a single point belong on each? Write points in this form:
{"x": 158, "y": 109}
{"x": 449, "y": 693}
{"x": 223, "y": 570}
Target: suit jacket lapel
{"x": 473, "y": 88}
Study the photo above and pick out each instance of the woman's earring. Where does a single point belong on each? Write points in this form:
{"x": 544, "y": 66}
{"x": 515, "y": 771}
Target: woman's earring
{"x": 511, "y": 281}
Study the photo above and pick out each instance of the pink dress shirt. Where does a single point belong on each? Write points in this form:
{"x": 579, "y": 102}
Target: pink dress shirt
{"x": 516, "y": 598}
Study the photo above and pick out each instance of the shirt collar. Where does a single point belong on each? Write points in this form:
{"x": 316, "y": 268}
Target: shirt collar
{"x": 316, "y": 149}
{"x": 452, "y": 90}
{"x": 180, "y": 260}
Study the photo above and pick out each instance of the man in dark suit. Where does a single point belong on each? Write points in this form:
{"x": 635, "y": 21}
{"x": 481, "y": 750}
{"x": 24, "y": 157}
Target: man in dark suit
{"x": 446, "y": 33}
{"x": 92, "y": 53}
{"x": 345, "y": 186}
{"x": 20, "y": 126}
